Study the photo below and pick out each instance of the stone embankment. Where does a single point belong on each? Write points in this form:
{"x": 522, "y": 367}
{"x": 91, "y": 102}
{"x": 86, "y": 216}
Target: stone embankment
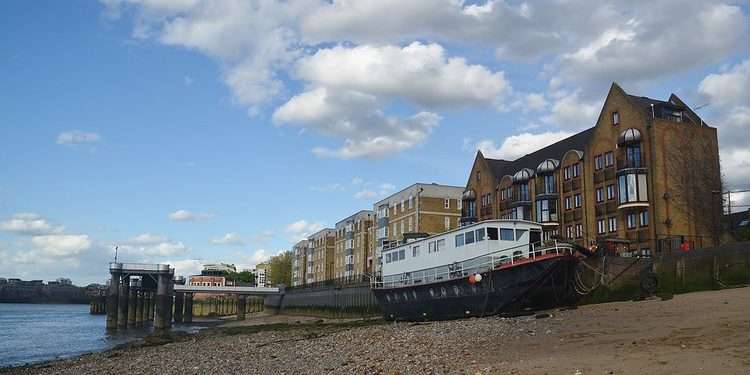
{"x": 697, "y": 333}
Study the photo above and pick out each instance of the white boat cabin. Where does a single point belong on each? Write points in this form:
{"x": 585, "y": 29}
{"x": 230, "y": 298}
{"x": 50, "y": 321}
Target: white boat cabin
{"x": 444, "y": 255}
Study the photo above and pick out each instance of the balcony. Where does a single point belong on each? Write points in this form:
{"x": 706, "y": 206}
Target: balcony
{"x": 624, "y": 163}
{"x": 606, "y": 208}
{"x": 637, "y": 235}
{"x": 468, "y": 220}
{"x": 485, "y": 211}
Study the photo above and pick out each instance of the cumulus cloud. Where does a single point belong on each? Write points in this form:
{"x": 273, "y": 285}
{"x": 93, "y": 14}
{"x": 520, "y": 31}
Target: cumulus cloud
{"x": 185, "y": 215}
{"x": 74, "y": 137}
{"x": 151, "y": 245}
{"x": 61, "y": 245}
{"x": 301, "y": 229}
{"x": 420, "y": 73}
{"x": 186, "y": 267}
{"x": 515, "y": 146}
{"x": 356, "y": 118}
{"x": 229, "y": 239}
{"x": 379, "y": 191}
{"x": 570, "y": 112}
{"x": 25, "y": 223}
{"x": 148, "y": 239}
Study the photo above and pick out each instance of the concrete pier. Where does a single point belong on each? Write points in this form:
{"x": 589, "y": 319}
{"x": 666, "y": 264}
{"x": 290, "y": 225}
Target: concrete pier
{"x": 241, "y": 305}
{"x": 163, "y": 302}
{"x": 113, "y": 294}
{"x": 179, "y": 299}
{"x": 188, "y": 316}
{"x": 122, "y": 304}
{"x": 139, "y": 308}
{"x": 132, "y": 308}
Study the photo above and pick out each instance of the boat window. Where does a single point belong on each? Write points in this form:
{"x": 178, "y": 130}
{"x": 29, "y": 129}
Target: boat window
{"x": 402, "y": 254}
{"x": 492, "y": 234}
{"x": 431, "y": 247}
{"x": 469, "y": 237}
{"x": 506, "y": 234}
{"x": 520, "y": 233}
{"x": 459, "y": 240}
{"x": 387, "y": 257}
{"x": 479, "y": 234}
{"x": 440, "y": 245}
{"x": 415, "y": 251}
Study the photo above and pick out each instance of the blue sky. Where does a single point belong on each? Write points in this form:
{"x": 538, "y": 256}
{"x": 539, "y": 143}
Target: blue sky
{"x": 187, "y": 131}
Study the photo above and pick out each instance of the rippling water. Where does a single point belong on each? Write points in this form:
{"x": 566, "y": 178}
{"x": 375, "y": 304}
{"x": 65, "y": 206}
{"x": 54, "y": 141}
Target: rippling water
{"x": 33, "y": 333}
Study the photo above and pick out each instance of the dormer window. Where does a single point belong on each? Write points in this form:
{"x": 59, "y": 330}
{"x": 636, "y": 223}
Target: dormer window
{"x": 615, "y": 118}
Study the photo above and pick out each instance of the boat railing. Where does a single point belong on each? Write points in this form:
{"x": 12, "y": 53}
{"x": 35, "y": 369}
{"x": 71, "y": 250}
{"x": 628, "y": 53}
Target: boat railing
{"x": 510, "y": 256}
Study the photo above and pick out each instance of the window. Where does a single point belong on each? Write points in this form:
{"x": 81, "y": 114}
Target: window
{"x": 577, "y": 200}
{"x": 403, "y": 206}
{"x": 569, "y": 231}
{"x": 612, "y": 223}
{"x": 431, "y": 247}
{"x": 402, "y": 254}
{"x": 469, "y": 237}
{"x": 615, "y": 118}
{"x": 576, "y": 169}
{"x": 566, "y": 173}
{"x": 409, "y": 225}
{"x": 644, "y": 218}
{"x": 479, "y": 234}
{"x": 447, "y": 223}
{"x": 402, "y": 227}
{"x": 447, "y": 203}
{"x": 579, "y": 230}
{"x": 520, "y": 233}
{"x": 600, "y": 226}
{"x": 460, "y": 203}
{"x": 460, "y": 240}
{"x": 610, "y": 192}
{"x": 523, "y": 192}
{"x": 633, "y": 188}
{"x": 598, "y": 162}
{"x": 395, "y": 229}
{"x": 411, "y": 202}
{"x": 479, "y": 176}
{"x": 567, "y": 203}
{"x": 631, "y": 221}
{"x": 600, "y": 194}
{"x": 502, "y": 194}
{"x": 546, "y": 210}
{"x": 633, "y": 155}
{"x": 492, "y": 234}
{"x": 549, "y": 184}
{"x": 506, "y": 234}
{"x": 609, "y": 159}
{"x": 440, "y": 245}
{"x": 387, "y": 258}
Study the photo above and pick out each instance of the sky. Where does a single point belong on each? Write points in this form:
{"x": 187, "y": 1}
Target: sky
{"x": 192, "y": 131}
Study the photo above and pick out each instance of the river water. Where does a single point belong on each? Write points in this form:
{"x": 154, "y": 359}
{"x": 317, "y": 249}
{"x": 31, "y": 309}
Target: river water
{"x": 32, "y": 333}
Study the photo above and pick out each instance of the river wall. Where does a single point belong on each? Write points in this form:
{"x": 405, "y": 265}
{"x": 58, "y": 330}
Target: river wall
{"x": 335, "y": 301}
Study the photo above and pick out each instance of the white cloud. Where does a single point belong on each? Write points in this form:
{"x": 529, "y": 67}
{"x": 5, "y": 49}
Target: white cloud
{"x": 328, "y": 188}
{"x": 357, "y": 180}
{"x": 729, "y": 88}
{"x": 420, "y": 73}
{"x": 61, "y": 245}
{"x": 25, "y": 223}
{"x": 515, "y": 146}
{"x": 356, "y": 118}
{"x": 229, "y": 239}
{"x": 569, "y": 112}
{"x": 148, "y": 239}
{"x": 74, "y": 137}
{"x": 302, "y": 229}
{"x": 379, "y": 191}
{"x": 186, "y": 267}
{"x": 185, "y": 215}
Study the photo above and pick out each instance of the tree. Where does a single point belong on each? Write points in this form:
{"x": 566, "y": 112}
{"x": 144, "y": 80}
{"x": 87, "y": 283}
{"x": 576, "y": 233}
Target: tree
{"x": 280, "y": 269}
{"x": 246, "y": 277}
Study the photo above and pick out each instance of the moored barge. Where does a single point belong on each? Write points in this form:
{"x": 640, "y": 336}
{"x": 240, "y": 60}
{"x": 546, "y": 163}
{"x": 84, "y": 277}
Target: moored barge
{"x": 483, "y": 269}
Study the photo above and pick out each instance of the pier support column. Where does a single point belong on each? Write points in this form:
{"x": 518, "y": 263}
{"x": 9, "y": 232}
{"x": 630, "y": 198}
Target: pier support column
{"x": 139, "y": 308}
{"x": 122, "y": 303}
{"x": 113, "y": 294}
{"x": 146, "y": 302}
{"x": 188, "y": 317}
{"x": 162, "y": 302}
{"x": 179, "y": 299}
{"x": 132, "y": 308}
{"x": 241, "y": 305}
{"x": 151, "y": 305}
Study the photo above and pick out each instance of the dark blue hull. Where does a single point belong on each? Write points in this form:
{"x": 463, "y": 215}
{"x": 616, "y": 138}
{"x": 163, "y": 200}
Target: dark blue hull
{"x": 540, "y": 284}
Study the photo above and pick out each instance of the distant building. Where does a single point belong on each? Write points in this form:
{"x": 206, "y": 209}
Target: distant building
{"x": 418, "y": 210}
{"x": 351, "y": 258}
{"x": 320, "y": 256}
{"x": 299, "y": 262}
{"x": 262, "y": 271}
{"x": 201, "y": 280}
{"x": 217, "y": 269}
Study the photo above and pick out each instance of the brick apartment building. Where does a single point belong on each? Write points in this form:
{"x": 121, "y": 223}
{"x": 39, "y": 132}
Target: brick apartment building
{"x": 351, "y": 257}
{"x": 420, "y": 209}
{"x": 299, "y": 262}
{"x": 319, "y": 256}
{"x": 647, "y": 173}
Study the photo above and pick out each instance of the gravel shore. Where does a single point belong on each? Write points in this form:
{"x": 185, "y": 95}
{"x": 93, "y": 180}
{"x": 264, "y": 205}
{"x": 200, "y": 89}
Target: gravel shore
{"x": 698, "y": 333}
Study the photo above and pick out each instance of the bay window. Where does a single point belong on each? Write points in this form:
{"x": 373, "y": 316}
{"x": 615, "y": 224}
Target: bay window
{"x": 633, "y": 188}
{"x": 546, "y": 210}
